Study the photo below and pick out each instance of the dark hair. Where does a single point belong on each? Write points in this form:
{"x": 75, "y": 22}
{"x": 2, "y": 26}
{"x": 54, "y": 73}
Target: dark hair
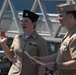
{"x": 33, "y": 22}
{"x": 73, "y": 12}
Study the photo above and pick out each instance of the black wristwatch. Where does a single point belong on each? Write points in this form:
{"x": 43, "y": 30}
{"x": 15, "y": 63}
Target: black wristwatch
{"x": 55, "y": 66}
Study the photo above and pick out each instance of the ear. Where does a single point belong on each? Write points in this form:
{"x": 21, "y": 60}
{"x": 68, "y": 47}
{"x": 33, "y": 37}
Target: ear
{"x": 70, "y": 15}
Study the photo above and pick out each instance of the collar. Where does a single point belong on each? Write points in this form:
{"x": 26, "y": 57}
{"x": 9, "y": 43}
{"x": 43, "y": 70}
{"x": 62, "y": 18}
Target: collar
{"x": 34, "y": 35}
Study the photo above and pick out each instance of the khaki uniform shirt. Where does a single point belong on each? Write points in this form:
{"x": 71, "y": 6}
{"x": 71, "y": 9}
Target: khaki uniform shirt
{"x": 67, "y": 51}
{"x": 35, "y": 45}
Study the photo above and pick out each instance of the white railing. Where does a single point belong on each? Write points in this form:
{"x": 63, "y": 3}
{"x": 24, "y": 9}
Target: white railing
{"x": 8, "y": 24}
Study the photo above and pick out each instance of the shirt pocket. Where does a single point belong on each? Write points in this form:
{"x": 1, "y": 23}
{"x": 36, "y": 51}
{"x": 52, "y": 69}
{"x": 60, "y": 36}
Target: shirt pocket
{"x": 65, "y": 51}
{"x": 63, "y": 48}
{"x": 65, "y": 44}
{"x": 31, "y": 49}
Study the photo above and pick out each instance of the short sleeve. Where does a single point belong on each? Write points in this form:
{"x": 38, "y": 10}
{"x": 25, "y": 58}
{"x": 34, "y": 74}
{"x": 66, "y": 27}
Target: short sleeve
{"x": 12, "y": 47}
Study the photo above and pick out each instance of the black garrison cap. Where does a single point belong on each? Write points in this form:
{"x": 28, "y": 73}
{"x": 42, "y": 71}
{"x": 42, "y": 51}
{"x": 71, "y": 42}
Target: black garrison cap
{"x": 31, "y": 15}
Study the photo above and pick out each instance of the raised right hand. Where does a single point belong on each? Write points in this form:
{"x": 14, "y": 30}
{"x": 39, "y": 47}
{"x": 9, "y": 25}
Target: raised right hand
{"x": 3, "y": 37}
